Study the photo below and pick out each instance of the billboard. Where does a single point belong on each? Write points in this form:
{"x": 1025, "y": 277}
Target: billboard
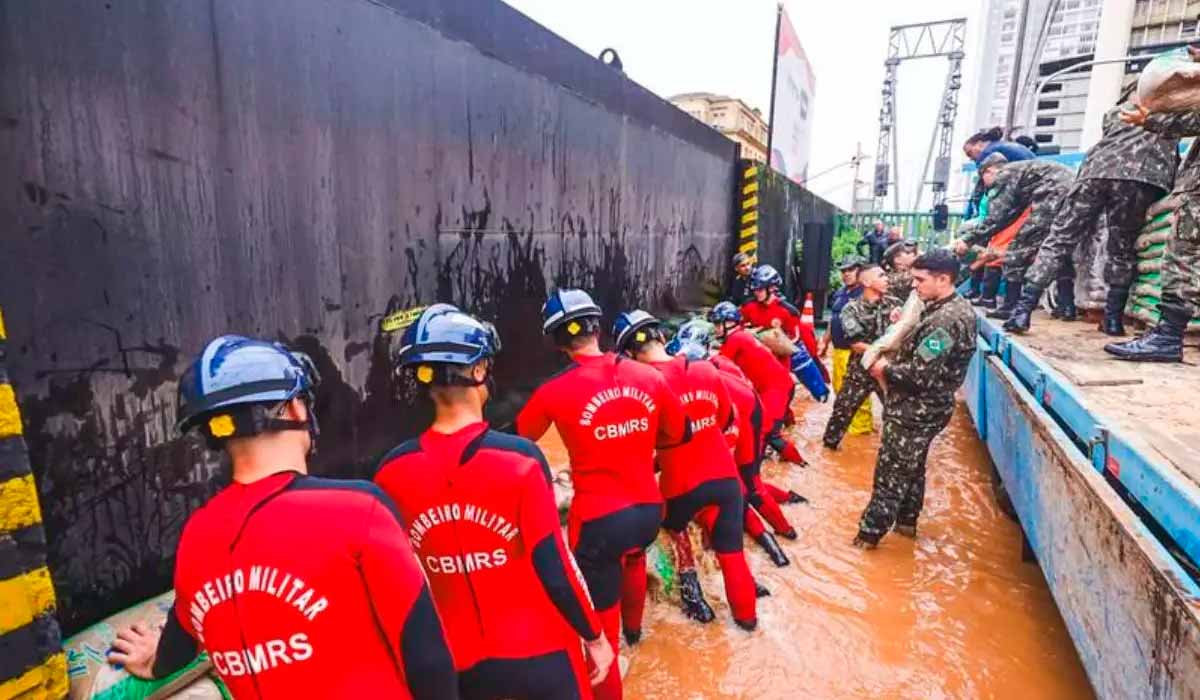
{"x": 791, "y": 103}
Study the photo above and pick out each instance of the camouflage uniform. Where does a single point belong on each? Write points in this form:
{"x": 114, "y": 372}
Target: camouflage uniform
{"x": 900, "y": 284}
{"x": 1041, "y": 183}
{"x": 863, "y": 321}
{"x": 1127, "y": 171}
{"x": 1181, "y": 269}
{"x": 927, "y": 370}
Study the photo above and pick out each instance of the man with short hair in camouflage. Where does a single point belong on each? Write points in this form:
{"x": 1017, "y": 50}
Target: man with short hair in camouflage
{"x": 920, "y": 381}
{"x": 898, "y": 260}
{"x": 1040, "y": 183}
{"x": 863, "y": 320}
{"x": 1129, "y": 169}
{"x": 1181, "y": 269}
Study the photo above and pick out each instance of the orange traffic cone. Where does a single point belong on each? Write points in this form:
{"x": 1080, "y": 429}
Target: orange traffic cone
{"x": 806, "y": 316}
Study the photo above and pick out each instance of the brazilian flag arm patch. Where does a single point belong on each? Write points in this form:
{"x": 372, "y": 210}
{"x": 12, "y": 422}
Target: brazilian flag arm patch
{"x": 934, "y": 345}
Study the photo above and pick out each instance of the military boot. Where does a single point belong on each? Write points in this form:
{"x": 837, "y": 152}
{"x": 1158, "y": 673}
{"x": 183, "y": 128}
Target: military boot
{"x": 691, "y": 597}
{"x": 991, "y": 283}
{"x": 1114, "y": 311}
{"x": 1164, "y": 343}
{"x": 1064, "y": 309}
{"x": 1022, "y": 311}
{"x": 1010, "y": 302}
{"x": 771, "y": 546}
{"x": 761, "y": 591}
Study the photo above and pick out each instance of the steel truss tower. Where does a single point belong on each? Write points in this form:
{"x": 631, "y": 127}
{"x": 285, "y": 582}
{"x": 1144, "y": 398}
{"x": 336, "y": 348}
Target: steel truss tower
{"x": 909, "y": 42}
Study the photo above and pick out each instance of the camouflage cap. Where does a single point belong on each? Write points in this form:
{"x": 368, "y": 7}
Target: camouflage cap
{"x": 850, "y": 262}
{"x": 992, "y": 161}
{"x": 894, "y": 249}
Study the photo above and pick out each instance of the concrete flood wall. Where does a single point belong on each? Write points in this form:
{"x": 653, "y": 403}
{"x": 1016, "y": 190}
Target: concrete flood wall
{"x": 297, "y": 169}
{"x": 795, "y": 234}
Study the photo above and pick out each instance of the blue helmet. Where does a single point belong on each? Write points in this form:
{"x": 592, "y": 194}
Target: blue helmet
{"x": 692, "y": 351}
{"x": 566, "y": 305}
{"x": 765, "y": 277}
{"x": 627, "y": 325}
{"x": 696, "y": 331}
{"x": 692, "y": 339}
{"x": 234, "y": 372}
{"x": 443, "y": 334}
{"x": 725, "y": 312}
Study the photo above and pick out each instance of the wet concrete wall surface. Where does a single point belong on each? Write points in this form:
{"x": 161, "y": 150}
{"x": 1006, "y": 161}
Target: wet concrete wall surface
{"x": 297, "y": 169}
{"x": 789, "y": 214}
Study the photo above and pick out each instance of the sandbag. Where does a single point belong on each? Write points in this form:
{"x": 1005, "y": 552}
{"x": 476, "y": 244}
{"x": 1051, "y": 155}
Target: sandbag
{"x": 1164, "y": 206}
{"x": 1170, "y": 83}
{"x": 1155, "y": 265}
{"x": 898, "y": 332}
{"x": 1152, "y": 238}
{"x": 1154, "y": 251}
{"x": 777, "y": 342}
{"x": 660, "y": 562}
{"x": 1145, "y": 289}
{"x": 92, "y": 678}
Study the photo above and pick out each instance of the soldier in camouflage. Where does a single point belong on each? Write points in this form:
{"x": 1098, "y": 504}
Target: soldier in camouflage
{"x": 920, "y": 382}
{"x": 863, "y": 321}
{"x": 1181, "y": 269}
{"x": 898, "y": 260}
{"x": 1040, "y": 183}
{"x": 1129, "y": 169}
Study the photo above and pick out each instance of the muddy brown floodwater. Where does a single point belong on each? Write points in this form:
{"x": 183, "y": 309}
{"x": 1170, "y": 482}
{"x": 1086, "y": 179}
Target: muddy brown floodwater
{"x": 955, "y": 614}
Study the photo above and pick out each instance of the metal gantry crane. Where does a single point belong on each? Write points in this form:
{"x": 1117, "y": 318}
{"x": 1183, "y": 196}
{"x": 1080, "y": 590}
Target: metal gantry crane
{"x": 909, "y": 42}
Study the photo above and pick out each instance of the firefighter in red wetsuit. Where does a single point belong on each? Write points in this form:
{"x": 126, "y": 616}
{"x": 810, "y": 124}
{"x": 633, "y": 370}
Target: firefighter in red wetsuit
{"x": 700, "y": 474}
{"x": 774, "y": 383}
{"x": 768, "y": 308}
{"x": 480, "y": 512}
{"x": 296, "y": 586}
{"x": 749, "y": 440}
{"x": 611, "y": 414}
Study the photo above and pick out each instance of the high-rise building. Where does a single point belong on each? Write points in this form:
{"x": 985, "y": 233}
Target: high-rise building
{"x": 731, "y": 117}
{"x": 1064, "y": 117}
{"x": 1057, "y": 33}
{"x": 1000, "y": 24}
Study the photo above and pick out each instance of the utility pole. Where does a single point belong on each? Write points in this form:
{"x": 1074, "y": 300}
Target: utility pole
{"x": 858, "y": 156}
{"x": 1014, "y": 83}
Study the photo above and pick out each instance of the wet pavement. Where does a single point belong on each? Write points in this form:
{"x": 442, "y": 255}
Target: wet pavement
{"x": 955, "y": 614}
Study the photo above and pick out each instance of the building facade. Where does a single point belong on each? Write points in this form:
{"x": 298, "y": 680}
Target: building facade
{"x": 732, "y": 117}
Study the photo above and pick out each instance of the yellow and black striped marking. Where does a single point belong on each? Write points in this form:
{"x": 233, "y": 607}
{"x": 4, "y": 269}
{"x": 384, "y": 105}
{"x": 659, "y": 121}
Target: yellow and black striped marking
{"x": 32, "y": 663}
{"x": 748, "y": 234}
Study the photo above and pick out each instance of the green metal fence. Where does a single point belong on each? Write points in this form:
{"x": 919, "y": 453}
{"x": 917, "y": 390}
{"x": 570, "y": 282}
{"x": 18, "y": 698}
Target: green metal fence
{"x": 918, "y": 226}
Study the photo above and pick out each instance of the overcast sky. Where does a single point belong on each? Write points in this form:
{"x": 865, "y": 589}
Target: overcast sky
{"x": 725, "y": 46}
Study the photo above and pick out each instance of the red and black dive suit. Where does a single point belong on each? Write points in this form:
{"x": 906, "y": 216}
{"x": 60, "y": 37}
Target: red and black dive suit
{"x": 612, "y": 413}
{"x": 748, "y": 451}
{"x": 701, "y": 474}
{"x": 298, "y": 586}
{"x": 480, "y": 513}
{"x": 759, "y": 314}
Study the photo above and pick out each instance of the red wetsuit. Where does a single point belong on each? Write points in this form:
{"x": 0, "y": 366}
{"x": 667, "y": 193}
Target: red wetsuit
{"x": 763, "y": 315}
{"x": 706, "y": 401}
{"x": 480, "y": 513}
{"x": 702, "y": 475}
{"x": 773, "y": 382}
{"x": 611, "y": 413}
{"x": 298, "y": 586}
{"x": 748, "y": 450}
